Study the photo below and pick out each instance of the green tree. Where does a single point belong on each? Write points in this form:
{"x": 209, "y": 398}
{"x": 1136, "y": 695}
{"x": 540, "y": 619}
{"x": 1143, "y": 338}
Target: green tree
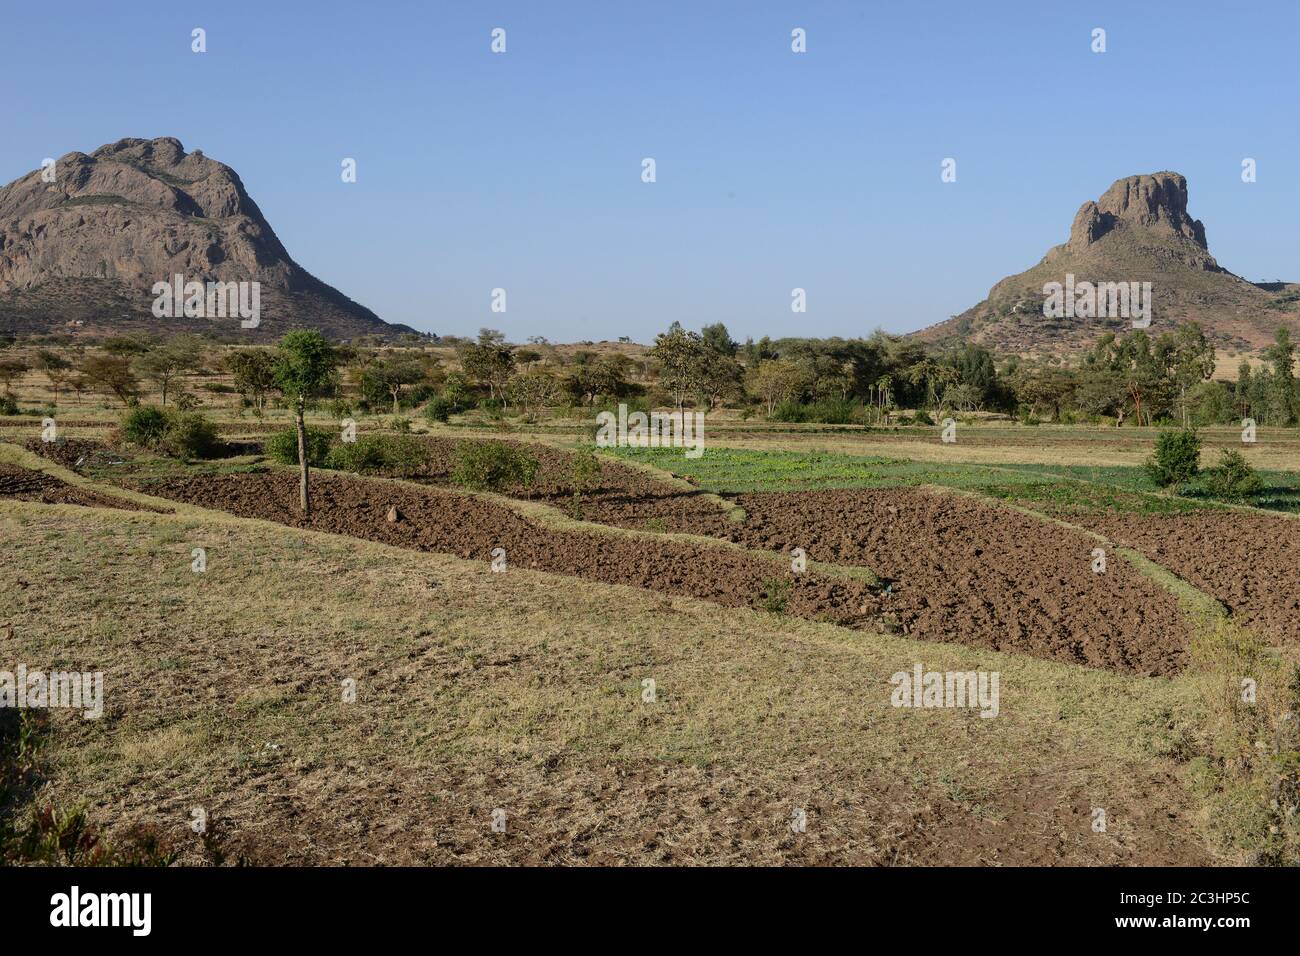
{"x": 57, "y": 370}
{"x": 1190, "y": 361}
{"x": 681, "y": 357}
{"x": 305, "y": 367}
{"x": 254, "y": 373}
{"x": 489, "y": 360}
{"x": 164, "y": 363}
{"x": 717, "y": 338}
{"x": 390, "y": 375}
{"x": 1281, "y": 356}
{"x": 776, "y": 381}
{"x": 720, "y": 378}
{"x": 112, "y": 375}
{"x": 1241, "y": 393}
{"x": 533, "y": 389}
{"x": 11, "y": 369}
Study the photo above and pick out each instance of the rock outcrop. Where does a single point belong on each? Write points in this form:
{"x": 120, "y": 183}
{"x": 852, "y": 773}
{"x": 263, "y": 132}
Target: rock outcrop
{"x": 82, "y": 244}
{"x": 1138, "y": 231}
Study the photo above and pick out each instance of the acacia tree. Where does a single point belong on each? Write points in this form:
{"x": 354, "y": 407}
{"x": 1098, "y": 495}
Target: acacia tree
{"x": 56, "y": 369}
{"x": 489, "y": 360}
{"x": 112, "y": 375}
{"x": 305, "y": 365}
{"x": 605, "y": 376}
{"x": 390, "y": 375}
{"x": 254, "y": 373}
{"x": 10, "y": 369}
{"x": 719, "y": 379}
{"x": 534, "y": 389}
{"x": 165, "y": 363}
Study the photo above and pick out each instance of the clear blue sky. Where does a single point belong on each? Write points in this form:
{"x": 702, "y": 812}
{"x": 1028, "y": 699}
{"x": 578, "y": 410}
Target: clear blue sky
{"x": 775, "y": 170}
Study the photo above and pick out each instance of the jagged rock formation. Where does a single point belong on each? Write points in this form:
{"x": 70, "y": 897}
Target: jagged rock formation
{"x": 1138, "y": 231}
{"x": 82, "y": 245}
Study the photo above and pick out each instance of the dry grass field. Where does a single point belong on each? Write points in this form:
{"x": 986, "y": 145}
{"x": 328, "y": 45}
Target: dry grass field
{"x": 525, "y": 692}
{"x": 509, "y": 717}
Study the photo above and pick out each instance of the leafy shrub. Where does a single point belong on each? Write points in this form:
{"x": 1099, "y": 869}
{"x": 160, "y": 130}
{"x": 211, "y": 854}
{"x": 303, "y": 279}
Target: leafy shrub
{"x": 585, "y": 471}
{"x": 493, "y": 465}
{"x": 190, "y": 435}
{"x": 776, "y": 595}
{"x": 402, "y": 425}
{"x": 145, "y": 425}
{"x": 583, "y": 475}
{"x": 8, "y": 406}
{"x": 1177, "y": 458}
{"x": 828, "y": 411}
{"x": 395, "y": 454}
{"x": 1232, "y": 477}
{"x": 283, "y": 446}
{"x": 438, "y": 410}
{"x": 184, "y": 435}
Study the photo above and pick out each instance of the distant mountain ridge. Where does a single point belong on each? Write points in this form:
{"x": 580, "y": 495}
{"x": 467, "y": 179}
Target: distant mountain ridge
{"x": 83, "y": 251}
{"x": 1139, "y": 230}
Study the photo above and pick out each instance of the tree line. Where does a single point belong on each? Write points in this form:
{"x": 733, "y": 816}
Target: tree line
{"x": 1125, "y": 378}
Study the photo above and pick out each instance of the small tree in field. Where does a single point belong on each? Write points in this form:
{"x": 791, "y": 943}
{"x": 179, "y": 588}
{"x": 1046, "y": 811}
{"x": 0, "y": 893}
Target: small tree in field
{"x": 1177, "y": 459}
{"x": 304, "y": 367}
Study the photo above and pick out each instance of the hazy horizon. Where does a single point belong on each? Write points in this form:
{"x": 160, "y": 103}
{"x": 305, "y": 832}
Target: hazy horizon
{"x": 820, "y": 170}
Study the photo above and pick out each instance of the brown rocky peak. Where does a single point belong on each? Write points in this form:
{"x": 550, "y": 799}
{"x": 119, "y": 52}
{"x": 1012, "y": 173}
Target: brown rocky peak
{"x": 89, "y": 239}
{"x": 1156, "y": 202}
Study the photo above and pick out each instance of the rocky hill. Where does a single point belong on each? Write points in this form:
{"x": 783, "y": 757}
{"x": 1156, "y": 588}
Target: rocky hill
{"x": 83, "y": 244}
{"x": 1138, "y": 231}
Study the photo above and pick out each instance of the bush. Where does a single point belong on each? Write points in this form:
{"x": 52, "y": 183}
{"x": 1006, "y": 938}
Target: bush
{"x": 493, "y": 465}
{"x": 396, "y": 454}
{"x": 8, "y": 406}
{"x": 145, "y": 425}
{"x": 183, "y": 435}
{"x": 438, "y": 410}
{"x": 1177, "y": 458}
{"x": 401, "y": 425}
{"x": 283, "y": 446}
{"x": 190, "y": 435}
{"x": 1232, "y": 478}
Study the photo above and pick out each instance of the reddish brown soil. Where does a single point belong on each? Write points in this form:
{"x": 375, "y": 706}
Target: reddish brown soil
{"x": 68, "y": 452}
{"x": 622, "y": 496}
{"x": 964, "y": 571}
{"x": 27, "y": 485}
{"x": 434, "y": 520}
{"x": 975, "y": 573}
{"x": 1249, "y": 562}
